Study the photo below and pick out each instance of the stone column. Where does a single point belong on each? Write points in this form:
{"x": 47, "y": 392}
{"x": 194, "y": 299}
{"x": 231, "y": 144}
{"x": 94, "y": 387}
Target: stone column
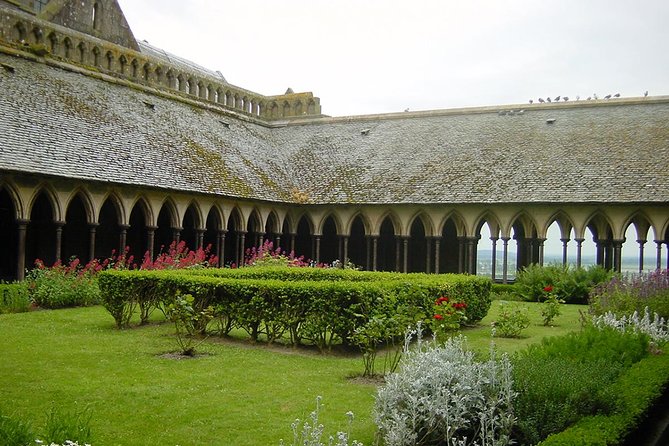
{"x": 541, "y": 242}
{"x": 461, "y": 255}
{"x": 277, "y": 241}
{"x": 493, "y": 267}
{"x": 150, "y": 240}
{"x": 123, "y": 237}
{"x": 91, "y": 240}
{"x": 437, "y": 247}
{"x": 658, "y": 256}
{"x": 318, "y": 248}
{"x": 471, "y": 254}
{"x": 345, "y": 242}
{"x": 292, "y": 243}
{"x": 220, "y": 246}
{"x": 564, "y": 241}
{"x": 241, "y": 238}
{"x": 176, "y": 234}
{"x": 59, "y": 239}
{"x": 641, "y": 243}
{"x": 398, "y": 251}
{"x": 617, "y": 246}
{"x": 428, "y": 254}
{"x": 505, "y": 265}
{"x": 21, "y": 248}
{"x": 199, "y": 238}
{"x": 579, "y": 251}
{"x": 406, "y": 254}
{"x": 368, "y": 256}
{"x": 375, "y": 251}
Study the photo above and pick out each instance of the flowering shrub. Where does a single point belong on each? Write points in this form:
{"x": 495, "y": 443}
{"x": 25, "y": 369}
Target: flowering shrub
{"x": 267, "y": 255}
{"x": 63, "y": 285}
{"x": 551, "y": 306}
{"x": 443, "y": 395}
{"x": 627, "y": 294}
{"x": 448, "y": 316}
{"x": 573, "y": 285}
{"x": 178, "y": 256}
{"x": 312, "y": 432}
{"x": 512, "y": 320}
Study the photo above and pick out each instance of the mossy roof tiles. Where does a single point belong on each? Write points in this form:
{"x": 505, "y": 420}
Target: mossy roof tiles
{"x": 61, "y": 123}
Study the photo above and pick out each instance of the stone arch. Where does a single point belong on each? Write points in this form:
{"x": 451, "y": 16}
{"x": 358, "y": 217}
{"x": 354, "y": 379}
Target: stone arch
{"x": 81, "y": 47}
{"x": 122, "y": 64}
{"x": 76, "y": 230}
{"x": 192, "y": 86}
{"x": 527, "y": 242}
{"x": 601, "y": 228}
{"x": 228, "y": 99}
{"x": 146, "y": 72}
{"x": 191, "y": 225}
{"x": 214, "y": 234}
{"x": 286, "y": 109}
{"x": 234, "y": 244}
{"x": 110, "y": 59}
{"x": 356, "y": 248}
{"x": 642, "y": 226}
{"x": 172, "y": 81}
{"x": 16, "y": 201}
{"x": 297, "y": 108}
{"x": 10, "y": 269}
{"x": 311, "y": 107}
{"x": 43, "y": 230}
{"x": 108, "y": 233}
{"x": 96, "y": 56}
{"x": 255, "y": 230}
{"x": 134, "y": 68}
{"x": 329, "y": 249}
{"x": 19, "y": 31}
{"x": 304, "y": 237}
{"x": 140, "y": 233}
{"x": 53, "y": 42}
{"x": 37, "y": 35}
{"x": 159, "y": 75}
{"x": 418, "y": 251}
{"x": 67, "y": 48}
{"x": 273, "y": 109}
{"x": 220, "y": 96}
{"x": 168, "y": 229}
{"x": 448, "y": 252}
{"x": 273, "y": 229}
{"x": 390, "y": 243}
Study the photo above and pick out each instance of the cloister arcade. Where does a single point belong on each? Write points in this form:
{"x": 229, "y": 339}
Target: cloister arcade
{"x": 58, "y": 220}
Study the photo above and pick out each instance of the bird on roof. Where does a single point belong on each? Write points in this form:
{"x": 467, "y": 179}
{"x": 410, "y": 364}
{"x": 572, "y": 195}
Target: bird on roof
{"x": 645, "y": 94}
{"x": 531, "y": 101}
{"x": 608, "y": 96}
{"x": 617, "y": 95}
{"x": 557, "y": 99}
{"x": 549, "y": 99}
{"x": 406, "y": 109}
{"x": 578, "y": 98}
{"x": 565, "y": 98}
{"x": 589, "y": 98}
{"x": 594, "y": 95}
{"x": 541, "y": 100}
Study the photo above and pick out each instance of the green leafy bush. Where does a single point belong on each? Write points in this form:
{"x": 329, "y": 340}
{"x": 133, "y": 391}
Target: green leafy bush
{"x": 634, "y": 292}
{"x": 572, "y": 285}
{"x": 513, "y": 318}
{"x": 14, "y": 298}
{"x": 567, "y": 378}
{"x": 62, "y": 286}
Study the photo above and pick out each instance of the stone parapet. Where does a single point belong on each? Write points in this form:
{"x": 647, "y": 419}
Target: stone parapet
{"x": 148, "y": 66}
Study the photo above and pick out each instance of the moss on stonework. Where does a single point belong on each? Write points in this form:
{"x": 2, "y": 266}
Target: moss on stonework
{"x": 208, "y": 168}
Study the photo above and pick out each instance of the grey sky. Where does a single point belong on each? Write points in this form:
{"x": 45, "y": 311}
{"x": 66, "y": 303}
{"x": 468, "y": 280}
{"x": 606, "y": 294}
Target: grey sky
{"x": 376, "y": 56}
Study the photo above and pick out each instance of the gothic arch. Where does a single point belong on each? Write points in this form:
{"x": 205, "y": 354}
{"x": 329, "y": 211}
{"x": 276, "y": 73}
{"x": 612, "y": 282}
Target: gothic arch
{"x": 17, "y": 202}
{"x": 139, "y": 239}
{"x": 51, "y": 196}
{"x": 87, "y": 201}
{"x": 19, "y": 31}
{"x": 367, "y": 224}
{"x": 394, "y": 220}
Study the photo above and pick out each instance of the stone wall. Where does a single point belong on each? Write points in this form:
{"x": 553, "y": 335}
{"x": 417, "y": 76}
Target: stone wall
{"x": 27, "y": 32}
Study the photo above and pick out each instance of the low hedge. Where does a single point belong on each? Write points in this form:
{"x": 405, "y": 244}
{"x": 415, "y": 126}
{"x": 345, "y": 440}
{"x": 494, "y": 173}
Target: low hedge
{"x": 14, "y": 298}
{"x": 637, "y": 389}
{"x": 319, "y": 306}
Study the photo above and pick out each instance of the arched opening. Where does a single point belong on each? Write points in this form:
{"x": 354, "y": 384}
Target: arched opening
{"x": 357, "y": 244}
{"x": 76, "y": 232}
{"x": 304, "y": 240}
{"x": 41, "y": 233}
{"x": 190, "y": 226}
{"x": 9, "y": 237}
{"x": 165, "y": 233}
{"x": 449, "y": 248}
{"x": 329, "y": 251}
{"x": 107, "y": 235}
{"x": 137, "y": 236}
{"x": 417, "y": 255}
{"x": 638, "y": 253}
{"x": 211, "y": 235}
{"x": 232, "y": 240}
{"x": 387, "y": 258}
{"x": 488, "y": 253}
{"x": 255, "y": 232}
{"x": 96, "y": 16}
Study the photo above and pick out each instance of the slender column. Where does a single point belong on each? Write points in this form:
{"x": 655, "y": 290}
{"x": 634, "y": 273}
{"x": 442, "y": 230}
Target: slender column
{"x": 541, "y": 242}
{"x": 375, "y": 251}
{"x": 428, "y": 254}
{"x": 91, "y": 240}
{"x": 241, "y": 238}
{"x": 59, "y": 238}
{"x": 437, "y": 245}
{"x": 340, "y": 248}
{"x": 150, "y": 236}
{"x": 471, "y": 254}
{"x": 658, "y": 255}
{"x": 641, "y": 247}
{"x": 123, "y": 237}
{"x": 21, "y": 248}
{"x": 564, "y": 241}
{"x": 176, "y": 234}
{"x": 493, "y": 267}
{"x": 292, "y": 243}
{"x": 345, "y": 242}
{"x": 220, "y": 246}
{"x": 318, "y": 248}
{"x": 505, "y": 264}
{"x": 579, "y": 251}
{"x": 398, "y": 247}
{"x": 368, "y": 255}
{"x": 617, "y": 246}
{"x": 406, "y": 254}
{"x": 199, "y": 239}
{"x": 277, "y": 241}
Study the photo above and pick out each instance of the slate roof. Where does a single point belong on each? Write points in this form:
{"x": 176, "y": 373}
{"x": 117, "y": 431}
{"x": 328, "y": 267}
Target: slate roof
{"x": 60, "y": 123}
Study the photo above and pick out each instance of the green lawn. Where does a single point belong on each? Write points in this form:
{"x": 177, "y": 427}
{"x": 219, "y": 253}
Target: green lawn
{"x": 238, "y": 394}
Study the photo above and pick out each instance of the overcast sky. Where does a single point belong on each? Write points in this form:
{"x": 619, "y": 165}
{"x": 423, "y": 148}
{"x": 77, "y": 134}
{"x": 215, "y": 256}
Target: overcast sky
{"x": 376, "y": 56}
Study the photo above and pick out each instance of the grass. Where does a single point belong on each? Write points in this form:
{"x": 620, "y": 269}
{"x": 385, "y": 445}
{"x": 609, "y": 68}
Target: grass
{"x": 235, "y": 394}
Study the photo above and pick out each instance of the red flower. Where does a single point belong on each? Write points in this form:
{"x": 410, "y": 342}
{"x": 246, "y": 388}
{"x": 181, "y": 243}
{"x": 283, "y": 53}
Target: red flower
{"x": 441, "y": 300}
{"x": 459, "y": 305}
{"x": 548, "y": 288}
{"x": 438, "y": 316}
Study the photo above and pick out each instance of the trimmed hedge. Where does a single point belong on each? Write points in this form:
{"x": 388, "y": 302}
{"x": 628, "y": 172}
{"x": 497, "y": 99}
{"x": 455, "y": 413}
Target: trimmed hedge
{"x": 315, "y": 305}
{"x": 637, "y": 389}
{"x": 14, "y": 298}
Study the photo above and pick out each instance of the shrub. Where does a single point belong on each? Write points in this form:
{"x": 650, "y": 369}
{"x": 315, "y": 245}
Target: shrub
{"x": 572, "y": 285}
{"x": 633, "y": 292}
{"x": 512, "y": 320}
{"x": 14, "y": 298}
{"x": 551, "y": 306}
{"x": 567, "y": 378}
{"x": 62, "y": 286}
{"x": 442, "y": 395}
{"x": 188, "y": 322}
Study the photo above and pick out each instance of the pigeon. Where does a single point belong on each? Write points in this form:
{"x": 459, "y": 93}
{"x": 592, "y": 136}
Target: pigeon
{"x": 594, "y": 95}
{"x": 566, "y": 98}
{"x": 617, "y": 95}
{"x": 557, "y": 99}
{"x": 645, "y": 94}
{"x": 578, "y": 98}
{"x": 531, "y": 101}
{"x": 548, "y": 99}
{"x": 589, "y": 98}
{"x": 541, "y": 100}
{"x": 608, "y": 96}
